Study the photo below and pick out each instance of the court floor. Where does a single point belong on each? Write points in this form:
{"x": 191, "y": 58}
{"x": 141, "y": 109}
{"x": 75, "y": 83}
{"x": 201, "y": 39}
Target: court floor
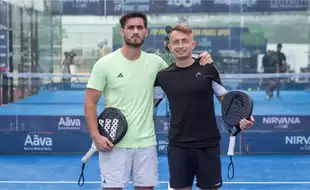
{"x": 71, "y": 103}
{"x": 62, "y": 172}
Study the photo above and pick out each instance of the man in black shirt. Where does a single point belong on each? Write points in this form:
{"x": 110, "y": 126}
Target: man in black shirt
{"x": 269, "y": 65}
{"x": 194, "y": 137}
{"x": 281, "y": 67}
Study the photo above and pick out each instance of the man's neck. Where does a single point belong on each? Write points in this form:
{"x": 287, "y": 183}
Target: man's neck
{"x": 130, "y": 53}
{"x": 184, "y": 62}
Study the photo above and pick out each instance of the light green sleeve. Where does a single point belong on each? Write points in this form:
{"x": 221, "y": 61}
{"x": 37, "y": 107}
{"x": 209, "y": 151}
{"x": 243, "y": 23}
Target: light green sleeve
{"x": 98, "y": 78}
{"x": 162, "y": 64}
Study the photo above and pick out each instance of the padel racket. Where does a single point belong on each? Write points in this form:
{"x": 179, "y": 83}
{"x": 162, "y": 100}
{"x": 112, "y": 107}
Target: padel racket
{"x": 113, "y": 125}
{"x": 236, "y": 105}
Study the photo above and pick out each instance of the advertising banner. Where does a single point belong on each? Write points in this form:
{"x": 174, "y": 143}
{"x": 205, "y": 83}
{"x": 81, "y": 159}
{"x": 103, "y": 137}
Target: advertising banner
{"x": 52, "y": 123}
{"x": 44, "y": 142}
{"x": 119, "y": 7}
{"x": 276, "y": 142}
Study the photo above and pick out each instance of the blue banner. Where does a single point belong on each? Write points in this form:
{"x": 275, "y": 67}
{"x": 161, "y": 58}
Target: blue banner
{"x": 119, "y": 7}
{"x": 4, "y": 50}
{"x": 77, "y": 7}
{"x": 52, "y": 123}
{"x": 37, "y": 123}
{"x": 293, "y": 135}
{"x": 281, "y": 123}
{"x": 44, "y": 142}
{"x": 262, "y": 124}
{"x": 8, "y": 123}
{"x": 273, "y": 123}
{"x": 276, "y": 142}
{"x": 162, "y": 143}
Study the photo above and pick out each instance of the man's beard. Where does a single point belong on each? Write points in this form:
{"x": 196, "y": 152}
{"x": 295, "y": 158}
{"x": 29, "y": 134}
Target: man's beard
{"x": 132, "y": 44}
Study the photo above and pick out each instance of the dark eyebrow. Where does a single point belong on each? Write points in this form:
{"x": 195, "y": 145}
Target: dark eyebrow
{"x": 135, "y": 25}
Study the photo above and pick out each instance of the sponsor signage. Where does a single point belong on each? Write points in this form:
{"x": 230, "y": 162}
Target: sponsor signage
{"x": 119, "y": 7}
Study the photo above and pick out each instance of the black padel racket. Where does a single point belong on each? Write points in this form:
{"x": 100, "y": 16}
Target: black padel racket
{"x": 236, "y": 105}
{"x": 113, "y": 125}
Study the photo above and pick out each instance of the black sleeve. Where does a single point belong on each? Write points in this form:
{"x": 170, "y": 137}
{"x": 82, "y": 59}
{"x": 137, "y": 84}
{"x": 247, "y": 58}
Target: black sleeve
{"x": 283, "y": 56}
{"x": 217, "y": 86}
{"x": 216, "y": 76}
{"x": 156, "y": 83}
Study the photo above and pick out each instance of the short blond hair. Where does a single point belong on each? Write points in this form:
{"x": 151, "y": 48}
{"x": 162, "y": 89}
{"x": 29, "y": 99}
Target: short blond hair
{"x": 184, "y": 28}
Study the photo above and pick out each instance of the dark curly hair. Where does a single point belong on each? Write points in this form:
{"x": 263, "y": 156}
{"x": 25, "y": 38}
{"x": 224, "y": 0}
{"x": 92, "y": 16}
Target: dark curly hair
{"x": 127, "y": 16}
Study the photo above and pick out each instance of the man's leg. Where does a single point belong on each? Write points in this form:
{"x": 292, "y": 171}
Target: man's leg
{"x": 208, "y": 168}
{"x": 115, "y": 167}
{"x": 180, "y": 168}
{"x": 278, "y": 86}
{"x": 145, "y": 168}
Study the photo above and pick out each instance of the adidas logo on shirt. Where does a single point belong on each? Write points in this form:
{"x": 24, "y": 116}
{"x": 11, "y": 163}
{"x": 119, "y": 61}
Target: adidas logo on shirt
{"x": 120, "y": 75}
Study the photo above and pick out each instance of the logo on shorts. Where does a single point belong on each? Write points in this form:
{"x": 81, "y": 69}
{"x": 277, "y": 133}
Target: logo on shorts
{"x": 218, "y": 184}
{"x": 120, "y": 75}
{"x": 104, "y": 181}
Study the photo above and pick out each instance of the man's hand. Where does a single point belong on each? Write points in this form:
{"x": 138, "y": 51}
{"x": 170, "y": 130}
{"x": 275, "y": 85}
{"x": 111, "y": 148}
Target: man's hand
{"x": 102, "y": 143}
{"x": 205, "y": 58}
{"x": 246, "y": 124}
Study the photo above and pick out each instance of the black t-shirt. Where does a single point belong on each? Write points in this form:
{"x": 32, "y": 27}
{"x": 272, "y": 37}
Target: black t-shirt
{"x": 190, "y": 93}
{"x": 269, "y": 64}
{"x": 281, "y": 57}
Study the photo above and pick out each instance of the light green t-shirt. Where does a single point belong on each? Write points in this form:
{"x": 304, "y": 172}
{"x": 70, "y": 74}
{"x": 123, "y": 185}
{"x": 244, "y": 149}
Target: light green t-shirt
{"x": 129, "y": 86}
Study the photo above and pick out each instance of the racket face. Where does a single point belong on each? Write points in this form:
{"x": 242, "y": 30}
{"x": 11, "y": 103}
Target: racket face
{"x": 112, "y": 124}
{"x": 236, "y": 105}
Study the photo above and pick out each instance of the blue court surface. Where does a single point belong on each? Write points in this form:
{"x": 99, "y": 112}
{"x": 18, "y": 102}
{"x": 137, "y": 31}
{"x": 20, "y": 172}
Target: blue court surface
{"x": 71, "y": 103}
{"x": 62, "y": 172}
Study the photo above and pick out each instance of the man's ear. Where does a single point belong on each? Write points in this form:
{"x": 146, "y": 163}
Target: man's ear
{"x": 122, "y": 32}
{"x": 194, "y": 43}
{"x": 169, "y": 46}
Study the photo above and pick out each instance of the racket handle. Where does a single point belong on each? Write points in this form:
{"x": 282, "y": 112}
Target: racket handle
{"x": 231, "y": 147}
{"x": 90, "y": 153}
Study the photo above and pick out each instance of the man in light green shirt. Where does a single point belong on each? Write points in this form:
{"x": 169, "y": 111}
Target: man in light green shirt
{"x": 126, "y": 78}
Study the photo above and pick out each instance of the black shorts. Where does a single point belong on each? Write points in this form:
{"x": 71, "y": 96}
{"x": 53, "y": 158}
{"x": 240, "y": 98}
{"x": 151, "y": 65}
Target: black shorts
{"x": 202, "y": 163}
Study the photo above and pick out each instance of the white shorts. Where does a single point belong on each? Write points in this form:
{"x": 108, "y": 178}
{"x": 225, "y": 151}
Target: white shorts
{"x": 121, "y": 165}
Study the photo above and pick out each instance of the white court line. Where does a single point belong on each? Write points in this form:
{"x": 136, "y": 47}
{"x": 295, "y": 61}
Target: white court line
{"x": 161, "y": 182}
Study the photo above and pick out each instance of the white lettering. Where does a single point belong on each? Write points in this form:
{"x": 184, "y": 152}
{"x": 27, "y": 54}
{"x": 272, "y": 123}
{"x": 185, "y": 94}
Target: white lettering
{"x": 68, "y": 121}
{"x": 36, "y": 140}
{"x": 162, "y": 147}
{"x": 281, "y": 120}
{"x": 162, "y": 142}
{"x": 297, "y": 140}
{"x": 185, "y": 3}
